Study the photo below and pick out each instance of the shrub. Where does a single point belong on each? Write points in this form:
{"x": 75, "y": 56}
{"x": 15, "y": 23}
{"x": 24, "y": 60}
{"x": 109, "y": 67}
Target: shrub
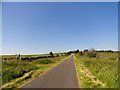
{"x": 90, "y": 53}
{"x": 14, "y": 69}
{"x": 44, "y": 61}
{"x": 81, "y": 53}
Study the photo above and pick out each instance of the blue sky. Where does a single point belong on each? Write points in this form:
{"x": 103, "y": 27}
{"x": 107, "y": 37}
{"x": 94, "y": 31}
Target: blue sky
{"x": 32, "y": 28}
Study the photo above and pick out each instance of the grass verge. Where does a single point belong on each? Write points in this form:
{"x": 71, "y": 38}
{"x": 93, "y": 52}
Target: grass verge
{"x": 41, "y": 66}
{"x": 85, "y": 78}
{"x": 98, "y": 72}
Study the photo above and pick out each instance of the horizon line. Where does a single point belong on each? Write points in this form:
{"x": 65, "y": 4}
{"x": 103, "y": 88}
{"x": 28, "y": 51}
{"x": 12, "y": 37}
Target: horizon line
{"x": 60, "y": 52}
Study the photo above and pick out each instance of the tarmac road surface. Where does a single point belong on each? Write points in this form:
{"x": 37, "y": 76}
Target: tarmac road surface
{"x": 61, "y": 76}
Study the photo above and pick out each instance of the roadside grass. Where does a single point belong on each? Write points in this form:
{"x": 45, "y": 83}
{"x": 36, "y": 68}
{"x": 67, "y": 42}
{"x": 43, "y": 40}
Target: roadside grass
{"x": 16, "y": 73}
{"x": 97, "y": 72}
{"x": 13, "y": 69}
{"x": 85, "y": 78}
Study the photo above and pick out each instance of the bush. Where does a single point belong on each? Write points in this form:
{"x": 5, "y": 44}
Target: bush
{"x": 14, "y": 69}
{"x": 57, "y": 55}
{"x": 90, "y": 53}
{"x": 81, "y": 53}
{"x": 44, "y": 61}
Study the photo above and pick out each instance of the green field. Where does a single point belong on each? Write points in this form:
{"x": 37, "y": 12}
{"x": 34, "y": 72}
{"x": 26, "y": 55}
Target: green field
{"x": 18, "y": 72}
{"x": 97, "y": 72}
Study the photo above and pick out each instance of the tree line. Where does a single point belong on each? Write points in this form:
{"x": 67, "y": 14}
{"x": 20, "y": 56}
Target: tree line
{"x": 88, "y": 52}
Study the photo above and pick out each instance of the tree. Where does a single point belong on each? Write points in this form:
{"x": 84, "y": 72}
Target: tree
{"x": 77, "y": 51}
{"x": 19, "y": 55}
{"x": 51, "y": 53}
{"x": 68, "y": 53}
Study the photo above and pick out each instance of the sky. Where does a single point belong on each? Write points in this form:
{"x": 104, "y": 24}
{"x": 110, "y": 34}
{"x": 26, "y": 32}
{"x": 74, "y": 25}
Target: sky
{"x": 0, "y": 28}
{"x": 36, "y": 28}
{"x": 60, "y": 0}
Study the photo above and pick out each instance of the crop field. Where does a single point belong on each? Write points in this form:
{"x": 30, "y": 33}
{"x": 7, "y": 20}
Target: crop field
{"x": 15, "y": 72}
{"x": 97, "y": 72}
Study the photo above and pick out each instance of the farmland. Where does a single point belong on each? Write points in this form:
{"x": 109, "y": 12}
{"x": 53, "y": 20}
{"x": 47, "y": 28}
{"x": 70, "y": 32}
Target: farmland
{"x": 97, "y": 72}
{"x": 16, "y": 72}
